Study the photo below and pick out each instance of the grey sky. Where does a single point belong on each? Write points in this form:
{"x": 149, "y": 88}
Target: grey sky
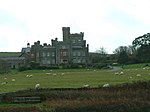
{"x": 106, "y": 23}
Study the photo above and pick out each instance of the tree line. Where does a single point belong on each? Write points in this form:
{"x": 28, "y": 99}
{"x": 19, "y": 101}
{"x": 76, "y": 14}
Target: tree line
{"x": 138, "y": 52}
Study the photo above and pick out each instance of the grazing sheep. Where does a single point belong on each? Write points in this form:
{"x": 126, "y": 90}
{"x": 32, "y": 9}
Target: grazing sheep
{"x": 30, "y": 76}
{"x": 106, "y": 85}
{"x": 5, "y": 78}
{"x": 116, "y": 73}
{"x": 130, "y": 77}
{"x": 48, "y": 73}
{"x": 54, "y": 74}
{"x": 37, "y": 86}
{"x": 121, "y": 73}
{"x": 13, "y": 80}
{"x": 138, "y": 75}
{"x": 3, "y": 83}
{"x": 62, "y": 73}
{"x": 86, "y": 86}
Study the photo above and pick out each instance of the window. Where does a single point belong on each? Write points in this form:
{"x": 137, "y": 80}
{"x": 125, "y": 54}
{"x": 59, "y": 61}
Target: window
{"x": 79, "y": 61}
{"x": 79, "y": 40}
{"x": 44, "y": 61}
{"x": 32, "y": 55}
{"x": 48, "y": 53}
{"x": 83, "y": 53}
{"x": 79, "y": 53}
{"x": 74, "y": 53}
{"x": 63, "y": 47}
{"x": 73, "y": 41}
{"x": 53, "y": 54}
{"x": 83, "y": 60}
{"x": 64, "y": 53}
{"x": 43, "y": 54}
{"x": 48, "y": 62}
{"x": 53, "y": 61}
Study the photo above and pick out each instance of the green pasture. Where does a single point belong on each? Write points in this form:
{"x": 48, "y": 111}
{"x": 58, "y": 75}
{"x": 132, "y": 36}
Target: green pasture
{"x": 69, "y": 78}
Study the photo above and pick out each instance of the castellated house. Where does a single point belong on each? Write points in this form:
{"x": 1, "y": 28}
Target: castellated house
{"x": 72, "y": 50}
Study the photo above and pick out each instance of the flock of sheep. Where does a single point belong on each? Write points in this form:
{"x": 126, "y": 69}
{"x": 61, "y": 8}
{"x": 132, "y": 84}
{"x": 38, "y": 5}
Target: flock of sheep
{"x": 37, "y": 86}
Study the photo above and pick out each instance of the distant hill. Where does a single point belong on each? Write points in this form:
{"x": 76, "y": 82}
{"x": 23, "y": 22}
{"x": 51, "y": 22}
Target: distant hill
{"x": 9, "y": 54}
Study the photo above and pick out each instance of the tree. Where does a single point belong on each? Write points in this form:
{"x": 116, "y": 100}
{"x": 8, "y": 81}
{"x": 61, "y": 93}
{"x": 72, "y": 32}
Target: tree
{"x": 4, "y": 67}
{"x": 142, "y": 45}
{"x": 102, "y": 54}
{"x": 144, "y": 53}
{"x": 141, "y": 40}
{"x": 122, "y": 54}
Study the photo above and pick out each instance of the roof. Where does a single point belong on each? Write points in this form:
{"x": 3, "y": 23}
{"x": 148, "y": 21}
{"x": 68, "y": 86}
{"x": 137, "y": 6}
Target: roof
{"x": 10, "y": 54}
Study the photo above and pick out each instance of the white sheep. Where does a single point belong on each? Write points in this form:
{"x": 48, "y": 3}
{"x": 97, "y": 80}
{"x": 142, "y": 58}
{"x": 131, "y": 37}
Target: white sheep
{"x": 130, "y": 77}
{"x": 37, "y": 86}
{"x": 5, "y": 78}
{"x": 3, "y": 83}
{"x": 30, "y": 76}
{"x": 106, "y": 85}
{"x": 116, "y": 73}
{"x": 62, "y": 73}
{"x": 54, "y": 74}
{"x": 121, "y": 73}
{"x": 86, "y": 86}
{"x": 13, "y": 80}
{"x": 48, "y": 73}
{"x": 138, "y": 75}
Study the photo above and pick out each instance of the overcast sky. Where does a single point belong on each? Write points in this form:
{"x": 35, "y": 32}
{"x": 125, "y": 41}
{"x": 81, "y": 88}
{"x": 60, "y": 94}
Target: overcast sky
{"x": 105, "y": 23}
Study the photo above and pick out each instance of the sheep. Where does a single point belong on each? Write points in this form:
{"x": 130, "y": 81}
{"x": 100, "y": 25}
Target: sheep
{"x": 116, "y": 73}
{"x": 13, "y": 80}
{"x": 121, "y": 73}
{"x": 54, "y": 74}
{"x": 3, "y": 83}
{"x": 106, "y": 85}
{"x": 28, "y": 76}
{"x": 130, "y": 77}
{"x": 138, "y": 75}
{"x": 37, "y": 86}
{"x": 5, "y": 78}
{"x": 86, "y": 86}
{"x": 62, "y": 73}
{"x": 48, "y": 73}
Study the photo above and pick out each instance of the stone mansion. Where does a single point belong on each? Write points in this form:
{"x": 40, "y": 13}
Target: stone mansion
{"x": 72, "y": 50}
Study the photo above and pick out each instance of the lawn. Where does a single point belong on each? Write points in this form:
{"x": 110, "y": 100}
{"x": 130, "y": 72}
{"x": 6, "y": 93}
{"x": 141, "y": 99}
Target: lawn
{"x": 133, "y": 97}
{"x": 69, "y": 78}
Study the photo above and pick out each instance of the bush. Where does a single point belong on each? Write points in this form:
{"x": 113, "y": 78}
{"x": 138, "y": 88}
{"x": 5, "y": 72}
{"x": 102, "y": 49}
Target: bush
{"x": 4, "y": 67}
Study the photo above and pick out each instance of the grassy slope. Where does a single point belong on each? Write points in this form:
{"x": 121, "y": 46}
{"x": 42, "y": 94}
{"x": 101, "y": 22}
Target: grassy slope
{"x": 72, "y": 78}
{"x": 134, "y": 98}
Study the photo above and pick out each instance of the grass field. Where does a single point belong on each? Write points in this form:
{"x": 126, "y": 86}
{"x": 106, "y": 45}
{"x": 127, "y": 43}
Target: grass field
{"x": 70, "y": 78}
{"x": 132, "y": 97}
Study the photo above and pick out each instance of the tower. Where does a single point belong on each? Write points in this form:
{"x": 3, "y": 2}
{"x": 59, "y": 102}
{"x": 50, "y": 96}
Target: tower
{"x": 66, "y": 32}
